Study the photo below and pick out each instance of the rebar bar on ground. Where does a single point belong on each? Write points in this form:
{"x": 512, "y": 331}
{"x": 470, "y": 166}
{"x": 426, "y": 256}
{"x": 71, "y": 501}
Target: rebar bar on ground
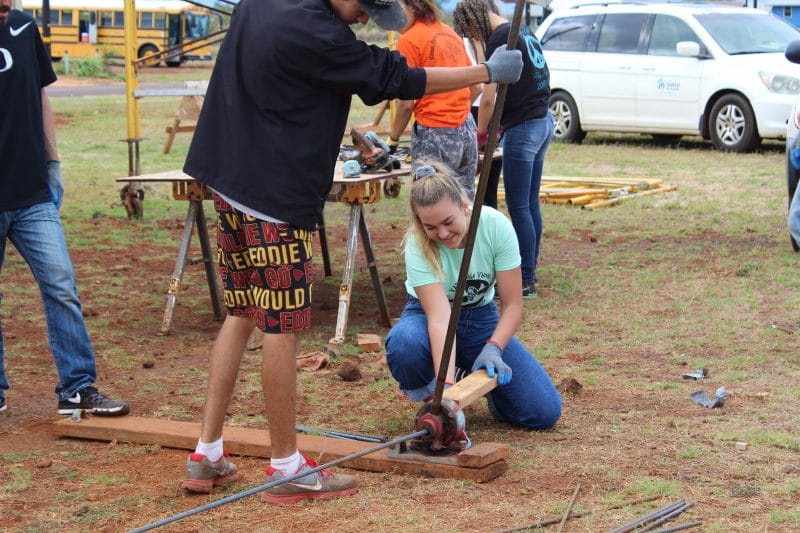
{"x": 667, "y": 517}
{"x": 680, "y": 527}
{"x": 580, "y": 514}
{"x": 655, "y": 515}
{"x": 265, "y": 486}
{"x": 569, "y": 508}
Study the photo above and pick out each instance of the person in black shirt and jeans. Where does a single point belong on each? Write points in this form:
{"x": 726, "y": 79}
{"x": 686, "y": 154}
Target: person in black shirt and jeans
{"x": 526, "y": 121}
{"x": 30, "y": 196}
{"x": 266, "y": 143}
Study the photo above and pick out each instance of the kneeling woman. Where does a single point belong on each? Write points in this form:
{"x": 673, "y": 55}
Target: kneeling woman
{"x": 484, "y": 339}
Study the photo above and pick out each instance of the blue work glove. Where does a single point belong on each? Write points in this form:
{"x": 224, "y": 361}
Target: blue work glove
{"x": 55, "y": 182}
{"x": 491, "y": 358}
{"x": 504, "y": 66}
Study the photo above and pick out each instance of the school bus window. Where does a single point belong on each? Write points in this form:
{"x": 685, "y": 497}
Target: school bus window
{"x": 147, "y": 20}
{"x": 111, "y": 19}
{"x": 66, "y": 17}
{"x": 161, "y": 20}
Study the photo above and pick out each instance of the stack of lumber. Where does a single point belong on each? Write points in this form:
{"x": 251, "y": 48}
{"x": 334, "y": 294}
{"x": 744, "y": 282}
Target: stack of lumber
{"x": 590, "y": 193}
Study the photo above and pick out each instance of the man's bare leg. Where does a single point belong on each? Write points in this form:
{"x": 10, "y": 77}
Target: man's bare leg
{"x": 226, "y": 356}
{"x": 208, "y": 466}
{"x": 279, "y": 382}
{"x": 279, "y": 379}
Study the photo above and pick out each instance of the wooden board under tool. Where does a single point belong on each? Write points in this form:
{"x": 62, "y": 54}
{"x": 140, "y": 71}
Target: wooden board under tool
{"x": 483, "y": 462}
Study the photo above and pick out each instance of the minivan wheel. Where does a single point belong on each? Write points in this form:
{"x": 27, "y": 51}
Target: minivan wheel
{"x": 567, "y": 122}
{"x": 733, "y": 125}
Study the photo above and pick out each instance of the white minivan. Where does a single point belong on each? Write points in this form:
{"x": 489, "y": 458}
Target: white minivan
{"x": 669, "y": 70}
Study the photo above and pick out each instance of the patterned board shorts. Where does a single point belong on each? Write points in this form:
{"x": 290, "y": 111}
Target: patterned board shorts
{"x": 265, "y": 269}
{"x": 455, "y": 147}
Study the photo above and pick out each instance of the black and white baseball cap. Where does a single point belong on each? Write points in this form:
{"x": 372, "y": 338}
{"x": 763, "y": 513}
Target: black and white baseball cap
{"x": 388, "y": 14}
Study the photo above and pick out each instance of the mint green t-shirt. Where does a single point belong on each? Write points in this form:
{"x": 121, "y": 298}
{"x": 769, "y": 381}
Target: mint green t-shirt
{"x": 496, "y": 249}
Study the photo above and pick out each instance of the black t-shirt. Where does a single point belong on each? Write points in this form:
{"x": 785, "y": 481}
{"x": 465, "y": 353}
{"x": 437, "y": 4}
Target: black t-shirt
{"x": 526, "y": 99}
{"x": 24, "y": 69}
{"x": 277, "y": 103}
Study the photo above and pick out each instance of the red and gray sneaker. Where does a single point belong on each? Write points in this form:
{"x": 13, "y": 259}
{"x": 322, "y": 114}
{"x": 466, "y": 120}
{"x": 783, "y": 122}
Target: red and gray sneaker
{"x": 322, "y": 485}
{"x": 202, "y": 475}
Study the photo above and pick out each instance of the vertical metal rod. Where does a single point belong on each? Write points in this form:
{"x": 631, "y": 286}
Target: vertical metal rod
{"x": 46, "y": 27}
{"x": 346, "y": 287}
{"x": 323, "y": 243}
{"x": 177, "y": 274}
{"x": 491, "y": 144}
{"x": 208, "y": 261}
{"x": 377, "y": 283}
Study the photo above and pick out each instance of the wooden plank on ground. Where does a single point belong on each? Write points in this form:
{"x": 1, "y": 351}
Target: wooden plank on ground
{"x": 481, "y": 463}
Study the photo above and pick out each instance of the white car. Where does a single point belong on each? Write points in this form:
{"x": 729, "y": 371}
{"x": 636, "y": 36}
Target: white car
{"x": 669, "y": 70}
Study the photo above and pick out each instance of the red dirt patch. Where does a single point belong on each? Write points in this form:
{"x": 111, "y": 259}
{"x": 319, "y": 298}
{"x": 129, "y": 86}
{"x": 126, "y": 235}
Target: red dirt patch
{"x": 630, "y": 422}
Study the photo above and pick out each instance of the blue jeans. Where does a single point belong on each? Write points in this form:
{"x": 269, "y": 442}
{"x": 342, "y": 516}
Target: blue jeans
{"x": 37, "y": 234}
{"x": 794, "y": 215}
{"x": 530, "y": 400}
{"x": 524, "y": 148}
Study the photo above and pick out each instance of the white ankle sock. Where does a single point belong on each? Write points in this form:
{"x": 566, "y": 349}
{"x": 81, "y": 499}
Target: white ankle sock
{"x": 212, "y": 450}
{"x": 288, "y": 465}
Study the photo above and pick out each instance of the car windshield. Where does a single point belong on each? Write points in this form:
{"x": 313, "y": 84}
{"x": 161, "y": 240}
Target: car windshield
{"x": 748, "y": 33}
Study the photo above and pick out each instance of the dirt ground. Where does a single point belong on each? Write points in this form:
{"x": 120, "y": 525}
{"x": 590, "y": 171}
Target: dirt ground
{"x": 50, "y": 483}
{"x": 629, "y": 434}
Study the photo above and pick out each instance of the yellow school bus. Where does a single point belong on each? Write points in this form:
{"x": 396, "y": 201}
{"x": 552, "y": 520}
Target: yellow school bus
{"x": 86, "y": 28}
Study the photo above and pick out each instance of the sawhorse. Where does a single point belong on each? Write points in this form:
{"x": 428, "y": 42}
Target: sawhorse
{"x": 185, "y": 188}
{"x": 356, "y": 192}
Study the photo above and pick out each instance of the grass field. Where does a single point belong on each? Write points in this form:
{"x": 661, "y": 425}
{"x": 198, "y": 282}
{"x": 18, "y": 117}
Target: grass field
{"x": 632, "y": 296}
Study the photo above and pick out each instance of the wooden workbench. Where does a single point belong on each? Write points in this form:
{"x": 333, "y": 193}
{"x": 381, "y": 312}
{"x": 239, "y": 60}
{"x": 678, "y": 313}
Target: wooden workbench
{"x": 355, "y": 192}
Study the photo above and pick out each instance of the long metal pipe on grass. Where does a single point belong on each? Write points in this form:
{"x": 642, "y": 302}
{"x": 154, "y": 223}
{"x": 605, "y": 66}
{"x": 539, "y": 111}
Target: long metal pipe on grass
{"x": 272, "y": 484}
{"x": 680, "y": 527}
{"x": 338, "y": 434}
{"x": 668, "y": 517}
{"x": 579, "y": 514}
{"x": 655, "y": 515}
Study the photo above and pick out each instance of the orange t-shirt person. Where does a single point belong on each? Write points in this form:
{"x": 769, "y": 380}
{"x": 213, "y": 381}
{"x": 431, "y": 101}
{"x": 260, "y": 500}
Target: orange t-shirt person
{"x": 444, "y": 130}
{"x": 435, "y": 44}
